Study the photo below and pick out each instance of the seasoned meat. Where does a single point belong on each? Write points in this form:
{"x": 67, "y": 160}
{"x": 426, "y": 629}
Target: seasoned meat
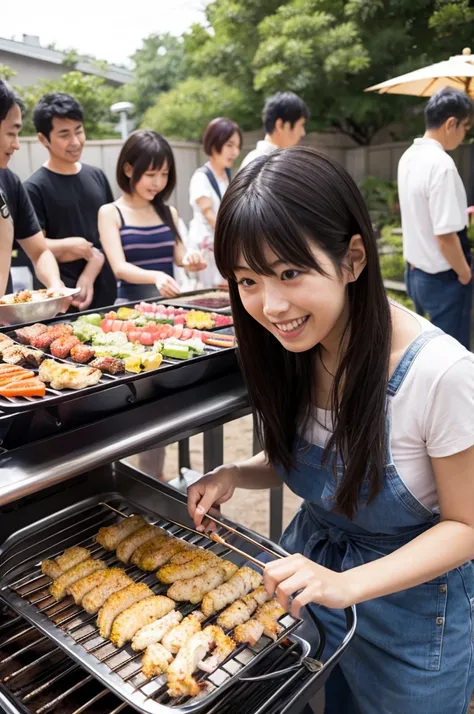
{"x": 60, "y": 330}
{"x": 115, "y": 579}
{"x": 26, "y": 334}
{"x": 5, "y": 340}
{"x": 21, "y": 354}
{"x": 184, "y": 556}
{"x": 198, "y": 565}
{"x": 126, "y": 548}
{"x": 82, "y": 587}
{"x": 82, "y": 353}
{"x": 150, "y": 546}
{"x": 244, "y": 580}
{"x": 111, "y": 365}
{"x": 178, "y": 635}
{"x": 137, "y": 616}
{"x": 52, "y": 333}
{"x": 62, "y": 346}
{"x": 67, "y": 560}
{"x": 194, "y": 589}
{"x": 162, "y": 554}
{"x": 155, "y": 661}
{"x": 265, "y": 622}
{"x": 60, "y": 585}
{"x": 223, "y": 644}
{"x": 62, "y": 376}
{"x": 118, "y": 602}
{"x": 110, "y": 536}
{"x": 155, "y": 631}
{"x": 242, "y": 610}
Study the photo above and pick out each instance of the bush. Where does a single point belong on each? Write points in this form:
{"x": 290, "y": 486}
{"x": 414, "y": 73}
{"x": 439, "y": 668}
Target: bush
{"x": 381, "y": 197}
{"x": 393, "y": 266}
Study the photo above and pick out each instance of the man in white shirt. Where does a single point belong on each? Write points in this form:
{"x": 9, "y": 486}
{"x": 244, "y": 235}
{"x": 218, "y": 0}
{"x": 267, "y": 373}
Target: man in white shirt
{"x": 433, "y": 207}
{"x": 284, "y": 116}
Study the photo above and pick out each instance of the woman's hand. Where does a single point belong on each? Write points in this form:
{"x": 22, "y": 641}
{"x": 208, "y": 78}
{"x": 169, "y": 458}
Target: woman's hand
{"x": 312, "y": 582}
{"x": 193, "y": 261}
{"x": 166, "y": 285}
{"x": 213, "y": 489}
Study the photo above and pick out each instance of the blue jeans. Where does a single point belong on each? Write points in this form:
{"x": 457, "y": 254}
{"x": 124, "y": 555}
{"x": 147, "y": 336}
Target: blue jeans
{"x": 442, "y": 297}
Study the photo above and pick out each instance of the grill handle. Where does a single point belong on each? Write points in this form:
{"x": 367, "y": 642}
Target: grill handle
{"x": 304, "y": 659}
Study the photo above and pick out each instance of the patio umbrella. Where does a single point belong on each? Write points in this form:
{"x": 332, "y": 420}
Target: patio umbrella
{"x": 457, "y": 72}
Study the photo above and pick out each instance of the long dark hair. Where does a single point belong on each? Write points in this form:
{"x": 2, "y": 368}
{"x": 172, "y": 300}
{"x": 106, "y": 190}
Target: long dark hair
{"x": 288, "y": 200}
{"x": 145, "y": 150}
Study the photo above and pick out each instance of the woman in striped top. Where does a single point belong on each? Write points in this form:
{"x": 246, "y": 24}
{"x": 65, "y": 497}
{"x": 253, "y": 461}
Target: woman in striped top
{"x": 139, "y": 231}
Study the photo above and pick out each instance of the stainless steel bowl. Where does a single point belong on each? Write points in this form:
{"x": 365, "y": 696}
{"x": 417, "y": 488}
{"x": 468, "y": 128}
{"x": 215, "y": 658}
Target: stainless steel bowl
{"x": 21, "y": 312}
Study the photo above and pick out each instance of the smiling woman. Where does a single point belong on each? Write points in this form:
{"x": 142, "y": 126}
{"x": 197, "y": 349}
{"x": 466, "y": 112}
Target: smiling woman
{"x": 367, "y": 413}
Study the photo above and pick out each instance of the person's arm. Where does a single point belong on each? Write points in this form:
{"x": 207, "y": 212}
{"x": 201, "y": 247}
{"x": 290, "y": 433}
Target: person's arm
{"x": 450, "y": 247}
{"x": 87, "y": 279}
{"x": 44, "y": 262}
{"x": 191, "y": 260}
{"x": 109, "y": 231}
{"x": 66, "y": 250}
{"x": 205, "y": 205}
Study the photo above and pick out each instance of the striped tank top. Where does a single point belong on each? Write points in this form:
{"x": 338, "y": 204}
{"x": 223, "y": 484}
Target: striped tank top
{"x": 147, "y": 247}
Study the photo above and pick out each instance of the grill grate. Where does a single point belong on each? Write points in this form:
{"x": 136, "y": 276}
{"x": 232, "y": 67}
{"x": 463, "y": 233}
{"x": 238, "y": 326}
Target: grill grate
{"x": 67, "y": 625}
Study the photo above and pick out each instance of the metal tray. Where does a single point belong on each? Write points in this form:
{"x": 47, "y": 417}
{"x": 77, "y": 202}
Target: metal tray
{"x": 183, "y": 301}
{"x": 24, "y": 589}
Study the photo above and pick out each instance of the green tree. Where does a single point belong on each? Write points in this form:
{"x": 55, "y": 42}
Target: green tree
{"x": 158, "y": 66}
{"x": 184, "y": 112}
{"x": 90, "y": 91}
{"x": 6, "y": 73}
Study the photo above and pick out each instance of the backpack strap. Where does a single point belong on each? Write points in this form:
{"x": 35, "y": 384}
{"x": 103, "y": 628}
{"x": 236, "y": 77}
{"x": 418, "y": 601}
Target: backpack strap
{"x": 213, "y": 181}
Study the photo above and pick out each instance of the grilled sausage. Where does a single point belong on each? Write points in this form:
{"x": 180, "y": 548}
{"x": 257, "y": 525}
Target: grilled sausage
{"x": 115, "y": 579}
{"x": 178, "y": 635}
{"x": 161, "y": 555}
{"x": 242, "y": 610}
{"x": 118, "y": 602}
{"x": 265, "y": 622}
{"x": 156, "y": 660}
{"x": 194, "y": 589}
{"x": 139, "y": 615}
{"x": 150, "y": 546}
{"x": 79, "y": 589}
{"x": 59, "y": 586}
{"x": 244, "y": 580}
{"x": 155, "y": 631}
{"x": 129, "y": 544}
{"x": 110, "y": 536}
{"x": 71, "y": 557}
{"x": 198, "y": 565}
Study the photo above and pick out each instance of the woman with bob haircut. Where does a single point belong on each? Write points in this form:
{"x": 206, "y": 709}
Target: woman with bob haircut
{"x": 366, "y": 411}
{"x": 139, "y": 231}
{"x": 222, "y": 141}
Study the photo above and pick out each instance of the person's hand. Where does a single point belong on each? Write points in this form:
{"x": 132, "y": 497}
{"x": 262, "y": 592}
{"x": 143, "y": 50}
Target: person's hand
{"x": 79, "y": 248}
{"x": 213, "y": 489}
{"x": 166, "y": 285}
{"x": 312, "y": 582}
{"x": 84, "y": 298}
{"x": 194, "y": 262}
{"x": 465, "y": 277}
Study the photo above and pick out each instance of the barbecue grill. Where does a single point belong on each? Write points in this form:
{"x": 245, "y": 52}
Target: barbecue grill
{"x": 59, "y": 466}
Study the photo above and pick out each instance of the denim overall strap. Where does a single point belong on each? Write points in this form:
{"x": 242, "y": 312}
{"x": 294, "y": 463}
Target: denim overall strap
{"x": 409, "y": 357}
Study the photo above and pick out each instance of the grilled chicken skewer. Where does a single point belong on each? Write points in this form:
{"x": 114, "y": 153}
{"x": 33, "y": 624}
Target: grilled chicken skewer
{"x": 137, "y": 616}
{"x": 162, "y": 554}
{"x": 128, "y": 545}
{"x": 110, "y": 536}
{"x": 81, "y": 587}
{"x": 171, "y": 572}
{"x": 224, "y": 645}
{"x": 118, "y": 602}
{"x": 264, "y": 622}
{"x": 150, "y": 546}
{"x": 156, "y": 660}
{"x": 180, "y": 634}
{"x": 242, "y": 610}
{"x": 115, "y": 579}
{"x": 194, "y": 589}
{"x": 59, "y": 587}
{"x": 244, "y": 580}
{"x": 67, "y": 560}
{"x": 155, "y": 631}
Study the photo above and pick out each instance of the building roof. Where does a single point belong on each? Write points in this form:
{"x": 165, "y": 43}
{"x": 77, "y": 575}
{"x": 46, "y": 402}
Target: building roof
{"x": 32, "y": 48}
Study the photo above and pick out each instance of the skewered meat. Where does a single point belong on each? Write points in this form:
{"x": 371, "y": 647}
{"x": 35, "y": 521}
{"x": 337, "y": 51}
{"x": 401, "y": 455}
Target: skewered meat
{"x": 194, "y": 589}
{"x": 224, "y": 645}
{"x": 79, "y": 589}
{"x": 82, "y": 354}
{"x": 44, "y": 340}
{"x": 127, "y": 547}
{"x": 162, "y": 554}
{"x": 110, "y": 536}
{"x": 178, "y": 635}
{"x": 198, "y": 565}
{"x": 64, "y": 376}
{"x": 242, "y": 610}
{"x": 5, "y": 340}
{"x": 155, "y": 631}
{"x": 111, "y": 365}
{"x": 139, "y": 615}
{"x": 115, "y": 579}
{"x": 26, "y": 334}
{"x": 118, "y": 602}
{"x": 244, "y": 580}
{"x": 184, "y": 556}
{"x": 156, "y": 660}
{"x": 21, "y": 354}
{"x": 71, "y": 557}
{"x": 62, "y": 346}
{"x": 150, "y": 546}
{"x": 264, "y": 622}
{"x": 60, "y": 585}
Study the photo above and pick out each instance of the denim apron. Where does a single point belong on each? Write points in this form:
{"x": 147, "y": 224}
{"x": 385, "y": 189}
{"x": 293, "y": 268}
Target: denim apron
{"x": 413, "y": 650}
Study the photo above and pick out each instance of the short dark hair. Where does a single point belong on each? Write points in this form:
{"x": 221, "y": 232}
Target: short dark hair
{"x": 445, "y": 104}
{"x": 8, "y": 98}
{"x": 286, "y": 106}
{"x": 55, "y": 104}
{"x": 217, "y": 132}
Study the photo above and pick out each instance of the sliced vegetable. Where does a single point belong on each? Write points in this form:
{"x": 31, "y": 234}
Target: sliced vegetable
{"x": 94, "y": 318}
{"x": 24, "y": 388}
{"x": 127, "y": 313}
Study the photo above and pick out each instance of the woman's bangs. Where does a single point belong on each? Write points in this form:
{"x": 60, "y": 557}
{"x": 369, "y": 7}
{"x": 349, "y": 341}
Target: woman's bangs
{"x": 157, "y": 158}
{"x": 254, "y": 227}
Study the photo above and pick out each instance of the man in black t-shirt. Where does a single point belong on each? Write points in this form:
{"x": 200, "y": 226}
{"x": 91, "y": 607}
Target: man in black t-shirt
{"x": 17, "y": 217}
{"x": 66, "y": 196}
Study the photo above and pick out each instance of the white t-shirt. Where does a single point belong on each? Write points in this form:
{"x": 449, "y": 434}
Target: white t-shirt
{"x": 263, "y": 147}
{"x": 431, "y": 415}
{"x": 432, "y": 202}
{"x": 201, "y": 235}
